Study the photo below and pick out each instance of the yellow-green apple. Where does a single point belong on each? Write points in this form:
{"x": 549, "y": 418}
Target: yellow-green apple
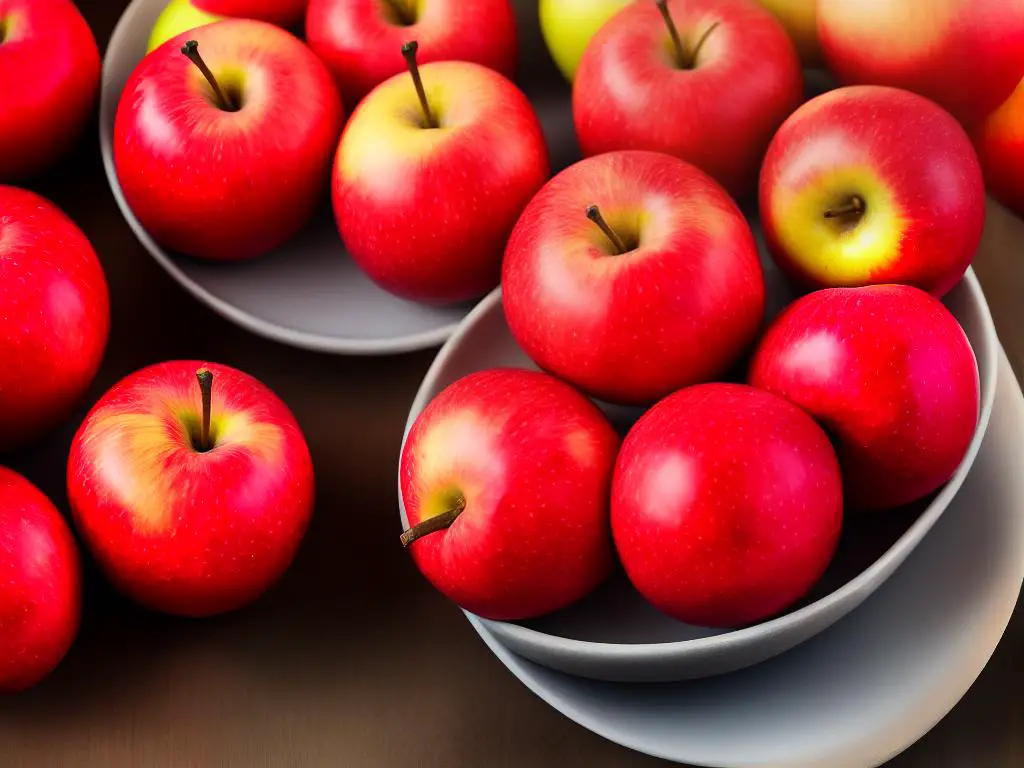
{"x": 966, "y": 55}
{"x": 432, "y": 170}
{"x": 50, "y": 71}
{"x": 178, "y": 16}
{"x": 799, "y": 17}
{"x": 632, "y": 274}
{"x": 727, "y": 504}
{"x": 505, "y": 478}
{"x": 192, "y": 486}
{"x": 360, "y": 40}
{"x": 54, "y": 316}
{"x": 999, "y": 141}
{"x": 40, "y": 585}
{"x": 568, "y": 25}
{"x": 870, "y": 184}
{"x": 889, "y": 373}
{"x": 224, "y": 137}
{"x": 708, "y": 81}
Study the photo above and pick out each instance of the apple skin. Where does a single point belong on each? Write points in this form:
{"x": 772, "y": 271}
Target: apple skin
{"x": 223, "y": 185}
{"x": 966, "y": 55}
{"x": 532, "y": 459}
{"x": 727, "y": 505}
{"x": 360, "y": 42}
{"x": 283, "y": 13}
{"x": 178, "y": 16}
{"x": 892, "y": 377}
{"x": 426, "y": 212}
{"x": 719, "y": 116}
{"x": 40, "y": 585}
{"x": 176, "y": 529}
{"x": 55, "y": 320}
{"x": 800, "y": 19}
{"x": 999, "y": 142}
{"x": 909, "y": 161}
{"x": 50, "y": 70}
{"x": 679, "y": 309}
{"x": 567, "y": 26}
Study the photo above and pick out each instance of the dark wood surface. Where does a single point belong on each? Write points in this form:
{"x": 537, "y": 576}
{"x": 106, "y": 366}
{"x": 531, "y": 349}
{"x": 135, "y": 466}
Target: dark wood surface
{"x": 352, "y": 660}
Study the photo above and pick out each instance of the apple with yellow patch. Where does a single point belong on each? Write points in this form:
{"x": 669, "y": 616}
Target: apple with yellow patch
{"x": 966, "y": 55}
{"x": 870, "y": 184}
{"x": 568, "y": 25}
{"x": 432, "y": 171}
{"x": 505, "y": 477}
{"x": 192, "y": 486}
{"x": 999, "y": 141}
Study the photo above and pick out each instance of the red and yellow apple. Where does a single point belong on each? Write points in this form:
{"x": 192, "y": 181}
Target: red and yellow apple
{"x": 54, "y": 316}
{"x": 727, "y": 504}
{"x": 568, "y": 25}
{"x": 425, "y": 206}
{"x": 674, "y": 299}
{"x": 40, "y": 585}
{"x": 192, "y": 486}
{"x": 999, "y": 141}
{"x": 360, "y": 40}
{"x": 708, "y": 81}
{"x": 178, "y": 16}
{"x": 50, "y": 71}
{"x": 966, "y": 55}
{"x": 505, "y": 478}
{"x": 799, "y": 17}
{"x": 870, "y": 184}
{"x": 892, "y": 377}
{"x": 233, "y": 171}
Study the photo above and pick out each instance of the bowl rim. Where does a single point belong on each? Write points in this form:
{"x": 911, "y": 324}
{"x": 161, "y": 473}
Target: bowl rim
{"x": 882, "y": 567}
{"x": 316, "y": 342}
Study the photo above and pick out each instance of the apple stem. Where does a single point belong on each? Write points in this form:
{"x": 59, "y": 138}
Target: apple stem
{"x": 594, "y": 214}
{"x": 205, "y": 378}
{"x": 402, "y": 12}
{"x": 409, "y": 52}
{"x": 191, "y": 50}
{"x": 677, "y": 44}
{"x": 433, "y": 524}
{"x": 700, "y": 43}
{"x": 854, "y": 206}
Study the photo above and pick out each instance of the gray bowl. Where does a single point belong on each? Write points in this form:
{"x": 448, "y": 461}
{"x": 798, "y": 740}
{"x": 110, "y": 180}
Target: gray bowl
{"x": 614, "y": 634}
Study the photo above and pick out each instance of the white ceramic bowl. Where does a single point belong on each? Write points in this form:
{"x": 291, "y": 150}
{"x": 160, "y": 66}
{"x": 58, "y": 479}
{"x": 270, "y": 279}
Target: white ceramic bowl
{"x": 614, "y": 634}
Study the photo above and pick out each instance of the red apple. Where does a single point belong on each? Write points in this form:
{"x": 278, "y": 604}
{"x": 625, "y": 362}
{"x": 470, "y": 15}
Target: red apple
{"x": 966, "y": 55}
{"x": 54, "y": 316}
{"x": 50, "y": 70}
{"x": 999, "y": 141}
{"x": 40, "y": 585}
{"x": 285, "y": 13}
{"x": 678, "y": 303}
{"x": 714, "y": 100}
{"x": 232, "y": 176}
{"x": 360, "y": 40}
{"x": 727, "y": 505}
{"x": 868, "y": 184}
{"x": 425, "y": 211}
{"x": 890, "y": 374}
{"x": 505, "y": 478}
{"x": 193, "y": 496}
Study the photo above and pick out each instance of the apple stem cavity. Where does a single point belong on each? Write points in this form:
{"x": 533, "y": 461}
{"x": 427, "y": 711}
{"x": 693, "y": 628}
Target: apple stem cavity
{"x": 409, "y": 52}
{"x": 700, "y": 44}
{"x": 205, "y": 378}
{"x": 594, "y": 214}
{"x": 191, "y": 51}
{"x": 853, "y": 207}
{"x": 683, "y": 60}
{"x": 403, "y": 14}
{"x": 434, "y": 524}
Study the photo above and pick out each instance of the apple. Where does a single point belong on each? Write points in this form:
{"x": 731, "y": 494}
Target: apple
{"x": 632, "y": 274}
{"x": 966, "y": 55}
{"x": 505, "y": 477}
{"x": 40, "y": 585}
{"x": 432, "y": 171}
{"x": 223, "y": 142}
{"x": 192, "y": 486}
{"x": 360, "y": 40}
{"x": 50, "y": 70}
{"x": 999, "y": 141}
{"x": 708, "y": 81}
{"x": 892, "y": 377}
{"x": 870, "y": 184}
{"x": 178, "y": 16}
{"x": 727, "y": 505}
{"x": 799, "y": 17}
{"x": 54, "y": 316}
{"x": 568, "y": 25}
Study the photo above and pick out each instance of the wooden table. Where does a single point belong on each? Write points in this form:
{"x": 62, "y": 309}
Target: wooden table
{"x": 328, "y": 669}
